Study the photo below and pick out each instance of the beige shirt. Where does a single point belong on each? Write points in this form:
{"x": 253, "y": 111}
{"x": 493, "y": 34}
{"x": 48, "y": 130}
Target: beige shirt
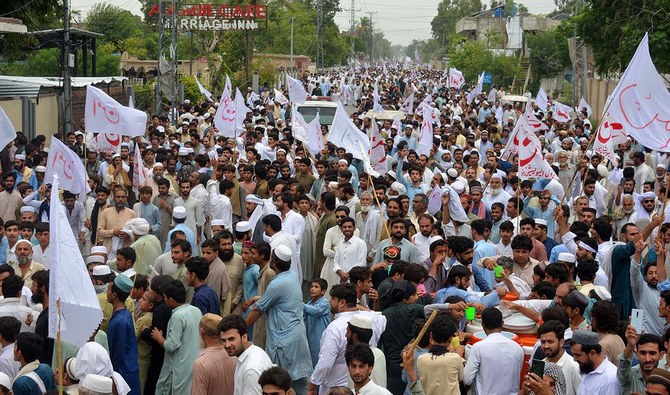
{"x": 28, "y": 277}
{"x": 218, "y": 279}
{"x": 9, "y": 203}
{"x": 235, "y": 269}
{"x": 111, "y": 219}
{"x": 213, "y": 372}
{"x": 260, "y": 327}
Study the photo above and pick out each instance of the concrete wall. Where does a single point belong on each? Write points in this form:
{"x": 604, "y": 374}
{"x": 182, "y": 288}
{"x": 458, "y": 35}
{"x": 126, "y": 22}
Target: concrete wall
{"x": 46, "y": 114}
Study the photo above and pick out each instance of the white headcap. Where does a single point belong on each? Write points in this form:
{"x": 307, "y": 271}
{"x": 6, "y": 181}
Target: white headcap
{"x": 98, "y": 250}
{"x": 96, "y": 383}
{"x": 101, "y": 270}
{"x": 361, "y": 321}
{"x": 283, "y": 252}
{"x": 453, "y": 173}
{"x": 398, "y": 187}
{"x": 5, "y": 381}
{"x": 95, "y": 259}
{"x": 183, "y": 151}
{"x": 40, "y": 169}
{"x": 20, "y": 157}
{"x": 28, "y": 209}
{"x": 540, "y": 221}
{"x": 179, "y": 212}
{"x": 566, "y": 257}
{"x": 243, "y": 226}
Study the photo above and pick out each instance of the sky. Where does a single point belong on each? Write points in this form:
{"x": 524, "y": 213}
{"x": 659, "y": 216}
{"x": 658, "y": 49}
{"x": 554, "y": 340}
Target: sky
{"x": 401, "y": 24}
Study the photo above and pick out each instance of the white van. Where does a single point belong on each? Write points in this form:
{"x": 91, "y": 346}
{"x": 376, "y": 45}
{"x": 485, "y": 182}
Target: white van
{"x": 326, "y": 110}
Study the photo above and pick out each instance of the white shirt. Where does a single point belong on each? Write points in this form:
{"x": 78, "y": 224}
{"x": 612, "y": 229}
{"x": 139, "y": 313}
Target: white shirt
{"x": 504, "y": 250}
{"x": 370, "y": 228}
{"x": 422, "y": 244}
{"x": 494, "y": 366}
{"x": 11, "y": 307}
{"x": 372, "y": 389}
{"x": 570, "y": 370}
{"x": 350, "y": 253}
{"x": 603, "y": 380}
{"x": 7, "y": 363}
{"x": 331, "y": 369}
{"x": 250, "y": 364}
{"x": 220, "y": 205}
{"x": 285, "y": 239}
{"x": 43, "y": 257}
{"x": 293, "y": 224}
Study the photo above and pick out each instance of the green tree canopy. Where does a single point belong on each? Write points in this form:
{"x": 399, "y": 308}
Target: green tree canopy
{"x": 614, "y": 28}
{"x": 114, "y": 22}
{"x": 448, "y": 13}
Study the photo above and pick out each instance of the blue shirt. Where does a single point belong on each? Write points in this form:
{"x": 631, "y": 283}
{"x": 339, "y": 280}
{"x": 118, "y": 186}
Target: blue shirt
{"x": 4, "y": 247}
{"x": 152, "y": 215}
{"x": 286, "y": 341}
{"x": 250, "y": 288}
{"x": 26, "y": 386}
{"x": 317, "y": 318}
{"x": 123, "y": 348}
{"x": 490, "y": 300}
{"x": 483, "y": 249}
{"x": 411, "y": 191}
{"x": 189, "y": 236}
{"x": 206, "y": 300}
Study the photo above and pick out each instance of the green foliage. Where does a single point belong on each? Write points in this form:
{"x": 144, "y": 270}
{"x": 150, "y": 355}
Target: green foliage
{"x": 109, "y": 62}
{"x": 144, "y": 95}
{"x": 474, "y": 58}
{"x": 35, "y": 14}
{"x": 135, "y": 46}
{"x": 114, "y": 22}
{"x": 191, "y": 91}
{"x": 548, "y": 53}
{"x": 448, "y": 13}
{"x": 41, "y": 63}
{"x": 614, "y": 28}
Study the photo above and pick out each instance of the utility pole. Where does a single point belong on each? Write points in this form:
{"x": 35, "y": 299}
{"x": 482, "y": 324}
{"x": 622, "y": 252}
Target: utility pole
{"x": 372, "y": 34}
{"x": 168, "y": 75}
{"x": 67, "y": 63}
{"x": 291, "y": 63}
{"x": 319, "y": 35}
{"x": 353, "y": 26}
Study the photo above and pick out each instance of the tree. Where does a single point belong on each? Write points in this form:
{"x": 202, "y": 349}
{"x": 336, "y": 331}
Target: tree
{"x": 448, "y": 13}
{"x": 474, "y": 58}
{"x": 614, "y": 28}
{"x": 548, "y": 53}
{"x": 114, "y": 22}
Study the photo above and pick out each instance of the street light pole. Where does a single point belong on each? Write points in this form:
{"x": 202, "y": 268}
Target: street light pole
{"x": 291, "y": 62}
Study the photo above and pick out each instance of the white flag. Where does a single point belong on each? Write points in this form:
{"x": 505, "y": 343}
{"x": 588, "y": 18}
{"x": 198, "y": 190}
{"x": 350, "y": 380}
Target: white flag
{"x": 562, "y": 112}
{"x": 345, "y": 134}
{"x": 131, "y": 103}
{"x": 253, "y": 97}
{"x": 542, "y": 100}
{"x": 7, "y": 131}
{"x": 397, "y": 124}
{"x": 203, "y": 91}
{"x": 610, "y": 134}
{"x": 376, "y": 104}
{"x": 425, "y": 142}
{"x": 280, "y": 98}
{"x": 640, "y": 101}
{"x": 584, "y": 105}
{"x": 531, "y": 160}
{"x": 225, "y": 117}
{"x": 377, "y": 152}
{"x": 493, "y": 96}
{"x": 64, "y": 163}
{"x": 69, "y": 281}
{"x": 477, "y": 90}
{"x": 104, "y": 142}
{"x": 104, "y": 114}
{"x": 315, "y": 141}
{"x": 456, "y": 79}
{"x": 241, "y": 110}
{"x": 408, "y": 105}
{"x": 511, "y": 148}
{"x": 140, "y": 173}
{"x": 296, "y": 92}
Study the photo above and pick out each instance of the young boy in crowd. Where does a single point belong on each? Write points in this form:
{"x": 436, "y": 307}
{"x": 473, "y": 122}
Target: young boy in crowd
{"x": 317, "y": 316}
{"x": 145, "y": 304}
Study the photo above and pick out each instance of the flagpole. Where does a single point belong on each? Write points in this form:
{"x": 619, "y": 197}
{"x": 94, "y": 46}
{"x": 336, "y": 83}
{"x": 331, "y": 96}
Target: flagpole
{"x": 386, "y": 225}
{"x": 59, "y": 352}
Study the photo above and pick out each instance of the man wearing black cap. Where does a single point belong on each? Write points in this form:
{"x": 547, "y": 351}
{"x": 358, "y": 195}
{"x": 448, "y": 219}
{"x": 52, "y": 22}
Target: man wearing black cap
{"x": 600, "y": 375}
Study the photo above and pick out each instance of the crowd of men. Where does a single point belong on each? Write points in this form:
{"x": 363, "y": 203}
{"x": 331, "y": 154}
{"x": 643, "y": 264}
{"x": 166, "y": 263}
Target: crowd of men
{"x": 249, "y": 265}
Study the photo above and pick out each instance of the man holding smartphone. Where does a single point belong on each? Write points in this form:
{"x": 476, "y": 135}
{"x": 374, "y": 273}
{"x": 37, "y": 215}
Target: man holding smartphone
{"x": 552, "y": 339}
{"x": 647, "y": 348}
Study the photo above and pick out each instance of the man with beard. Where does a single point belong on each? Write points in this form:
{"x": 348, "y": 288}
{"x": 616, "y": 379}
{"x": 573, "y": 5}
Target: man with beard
{"x": 235, "y": 270}
{"x": 647, "y": 349}
{"x": 331, "y": 371}
{"x": 423, "y": 239}
{"x": 252, "y": 360}
{"x": 40, "y": 290}
{"x": 369, "y": 224}
{"x": 194, "y": 218}
{"x": 623, "y": 214}
{"x": 646, "y": 207}
{"x": 112, "y": 221}
{"x": 152, "y": 182}
{"x": 164, "y": 200}
{"x": 645, "y": 292}
{"x": 495, "y": 193}
{"x": 101, "y": 196}
{"x": 408, "y": 251}
{"x": 552, "y": 342}
{"x": 24, "y": 266}
{"x": 623, "y": 189}
{"x": 599, "y": 374}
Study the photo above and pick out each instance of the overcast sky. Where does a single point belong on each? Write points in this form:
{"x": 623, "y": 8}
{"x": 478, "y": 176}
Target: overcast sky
{"x": 400, "y": 20}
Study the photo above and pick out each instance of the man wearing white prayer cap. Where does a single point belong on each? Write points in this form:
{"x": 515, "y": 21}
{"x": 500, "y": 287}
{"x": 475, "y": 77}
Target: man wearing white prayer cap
{"x": 397, "y": 189}
{"x": 29, "y": 214}
{"x": 495, "y": 192}
{"x": 24, "y": 173}
{"x": 92, "y": 358}
{"x": 217, "y": 225}
{"x": 147, "y": 246}
{"x": 24, "y": 265}
{"x": 95, "y": 384}
{"x": 242, "y": 234}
